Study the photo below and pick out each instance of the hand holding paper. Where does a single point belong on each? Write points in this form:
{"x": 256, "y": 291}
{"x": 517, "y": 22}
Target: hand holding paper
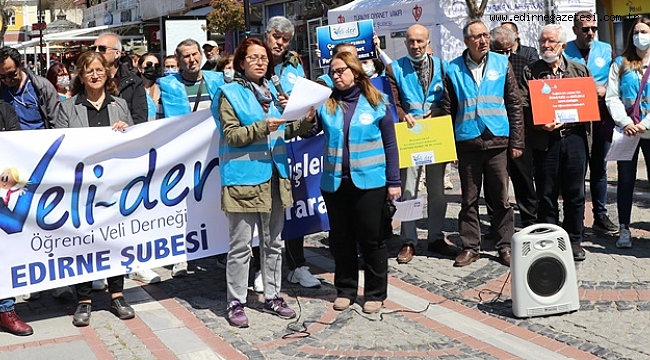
{"x": 305, "y": 95}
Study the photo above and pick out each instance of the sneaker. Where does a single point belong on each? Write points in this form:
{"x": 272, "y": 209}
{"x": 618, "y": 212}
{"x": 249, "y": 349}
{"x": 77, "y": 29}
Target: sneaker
{"x": 62, "y": 292}
{"x": 122, "y": 309}
{"x": 99, "y": 285}
{"x": 146, "y": 276}
{"x": 236, "y": 315}
{"x": 603, "y": 224}
{"x": 624, "y": 239}
{"x": 279, "y": 307}
{"x": 258, "y": 283}
{"x": 303, "y": 277}
{"x": 179, "y": 269}
{"x": 81, "y": 316}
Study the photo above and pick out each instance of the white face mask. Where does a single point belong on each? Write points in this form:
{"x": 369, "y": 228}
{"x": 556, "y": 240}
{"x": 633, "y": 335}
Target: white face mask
{"x": 550, "y": 57}
{"x": 228, "y": 75}
{"x": 369, "y": 69}
{"x": 63, "y": 80}
{"x": 641, "y": 41}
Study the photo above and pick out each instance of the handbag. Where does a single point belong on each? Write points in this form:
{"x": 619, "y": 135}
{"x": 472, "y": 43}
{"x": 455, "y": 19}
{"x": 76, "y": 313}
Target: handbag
{"x": 634, "y": 112}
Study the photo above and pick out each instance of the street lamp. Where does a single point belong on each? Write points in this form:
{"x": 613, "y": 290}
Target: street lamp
{"x": 247, "y": 18}
{"x": 41, "y": 69}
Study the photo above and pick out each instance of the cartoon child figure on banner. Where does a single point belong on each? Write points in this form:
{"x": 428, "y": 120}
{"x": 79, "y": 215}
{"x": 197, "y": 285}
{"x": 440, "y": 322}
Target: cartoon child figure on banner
{"x": 11, "y": 187}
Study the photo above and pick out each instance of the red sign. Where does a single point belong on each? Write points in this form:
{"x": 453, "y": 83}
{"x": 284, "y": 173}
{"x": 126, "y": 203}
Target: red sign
{"x": 563, "y": 100}
{"x": 39, "y": 26}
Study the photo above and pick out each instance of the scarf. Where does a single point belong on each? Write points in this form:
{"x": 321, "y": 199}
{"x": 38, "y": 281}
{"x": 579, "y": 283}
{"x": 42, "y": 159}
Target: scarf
{"x": 262, "y": 92}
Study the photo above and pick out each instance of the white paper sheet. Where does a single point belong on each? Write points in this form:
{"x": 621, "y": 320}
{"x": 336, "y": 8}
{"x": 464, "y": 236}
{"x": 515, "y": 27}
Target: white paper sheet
{"x": 304, "y": 95}
{"x": 623, "y": 146}
{"x": 409, "y": 210}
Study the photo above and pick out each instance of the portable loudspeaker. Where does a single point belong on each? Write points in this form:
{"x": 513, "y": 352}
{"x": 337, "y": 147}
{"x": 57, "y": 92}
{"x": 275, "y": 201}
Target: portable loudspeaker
{"x": 543, "y": 273}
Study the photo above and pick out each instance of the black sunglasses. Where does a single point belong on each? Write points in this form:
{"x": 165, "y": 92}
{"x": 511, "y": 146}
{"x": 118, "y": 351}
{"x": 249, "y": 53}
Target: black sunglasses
{"x": 149, "y": 64}
{"x": 592, "y": 28}
{"x": 503, "y": 52}
{"x": 100, "y": 48}
{"x": 10, "y": 75}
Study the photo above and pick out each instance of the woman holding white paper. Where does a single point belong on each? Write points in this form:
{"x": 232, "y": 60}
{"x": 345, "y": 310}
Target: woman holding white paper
{"x": 360, "y": 180}
{"x": 624, "y": 94}
{"x": 255, "y": 184}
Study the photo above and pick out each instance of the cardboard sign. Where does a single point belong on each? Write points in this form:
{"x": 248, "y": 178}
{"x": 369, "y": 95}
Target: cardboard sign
{"x": 359, "y": 33}
{"x": 430, "y": 141}
{"x": 565, "y": 100}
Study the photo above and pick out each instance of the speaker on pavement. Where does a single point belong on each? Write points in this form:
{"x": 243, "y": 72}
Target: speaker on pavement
{"x": 543, "y": 273}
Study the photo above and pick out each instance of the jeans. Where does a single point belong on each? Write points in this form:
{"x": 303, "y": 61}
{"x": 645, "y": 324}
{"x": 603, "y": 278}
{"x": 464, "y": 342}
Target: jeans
{"x": 626, "y": 180}
{"x": 598, "y": 171}
{"x": 7, "y": 304}
{"x": 560, "y": 170}
{"x": 436, "y": 201}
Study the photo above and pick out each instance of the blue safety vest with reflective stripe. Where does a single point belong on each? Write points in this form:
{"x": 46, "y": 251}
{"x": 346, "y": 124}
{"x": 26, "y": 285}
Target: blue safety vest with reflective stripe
{"x": 152, "y": 108}
{"x": 367, "y": 157}
{"x": 629, "y": 90}
{"x": 600, "y": 58}
{"x": 411, "y": 95}
{"x": 288, "y": 75}
{"x": 173, "y": 94}
{"x": 480, "y": 107}
{"x": 327, "y": 79}
{"x": 250, "y": 164}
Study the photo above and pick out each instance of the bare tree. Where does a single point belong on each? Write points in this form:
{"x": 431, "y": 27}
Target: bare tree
{"x": 475, "y": 11}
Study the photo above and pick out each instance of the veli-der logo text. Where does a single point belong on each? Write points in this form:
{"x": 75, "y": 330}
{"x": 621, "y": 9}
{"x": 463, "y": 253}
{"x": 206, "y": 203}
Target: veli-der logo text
{"x": 77, "y": 211}
{"x": 344, "y": 31}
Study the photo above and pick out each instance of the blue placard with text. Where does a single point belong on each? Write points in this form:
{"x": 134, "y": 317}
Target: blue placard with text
{"x": 359, "y": 33}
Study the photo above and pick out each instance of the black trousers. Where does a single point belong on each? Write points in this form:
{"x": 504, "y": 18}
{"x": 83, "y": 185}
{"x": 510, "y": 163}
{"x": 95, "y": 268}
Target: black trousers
{"x": 115, "y": 285}
{"x": 356, "y": 217}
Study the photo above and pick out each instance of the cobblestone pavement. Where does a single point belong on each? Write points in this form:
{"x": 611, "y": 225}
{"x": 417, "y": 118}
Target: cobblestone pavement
{"x": 433, "y": 310}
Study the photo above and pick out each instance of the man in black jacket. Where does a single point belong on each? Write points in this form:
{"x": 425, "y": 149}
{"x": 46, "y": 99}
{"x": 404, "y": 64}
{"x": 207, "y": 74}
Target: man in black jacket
{"x": 128, "y": 84}
{"x": 32, "y": 97}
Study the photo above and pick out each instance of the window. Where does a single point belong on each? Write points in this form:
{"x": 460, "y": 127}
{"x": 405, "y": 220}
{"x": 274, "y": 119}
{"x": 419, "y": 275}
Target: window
{"x": 11, "y": 17}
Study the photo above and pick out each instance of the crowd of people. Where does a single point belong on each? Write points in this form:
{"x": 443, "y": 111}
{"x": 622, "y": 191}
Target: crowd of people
{"x": 485, "y": 91}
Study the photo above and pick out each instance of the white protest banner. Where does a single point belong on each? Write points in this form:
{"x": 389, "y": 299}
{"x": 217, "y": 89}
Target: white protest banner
{"x": 92, "y": 203}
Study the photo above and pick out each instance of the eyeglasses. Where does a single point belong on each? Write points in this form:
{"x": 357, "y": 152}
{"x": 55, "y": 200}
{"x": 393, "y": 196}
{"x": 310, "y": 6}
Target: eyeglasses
{"x": 10, "y": 75}
{"x": 101, "y": 48}
{"x": 254, "y": 59}
{"x": 339, "y": 71}
{"x": 149, "y": 64}
{"x": 479, "y": 36}
{"x": 592, "y": 28}
{"x": 503, "y": 52}
{"x": 95, "y": 72}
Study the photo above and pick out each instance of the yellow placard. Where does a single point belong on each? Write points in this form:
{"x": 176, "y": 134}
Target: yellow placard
{"x": 430, "y": 141}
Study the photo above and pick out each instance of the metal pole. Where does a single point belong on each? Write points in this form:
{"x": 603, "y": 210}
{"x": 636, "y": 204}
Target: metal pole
{"x": 40, "y": 32}
{"x": 247, "y": 18}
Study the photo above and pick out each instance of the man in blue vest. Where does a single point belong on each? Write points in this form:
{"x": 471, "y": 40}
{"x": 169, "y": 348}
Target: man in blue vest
{"x": 597, "y": 55}
{"x": 482, "y": 96}
{"x": 560, "y": 150}
{"x": 417, "y": 81}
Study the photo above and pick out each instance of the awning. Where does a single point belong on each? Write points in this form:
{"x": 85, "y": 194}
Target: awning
{"x": 71, "y": 35}
{"x": 199, "y": 11}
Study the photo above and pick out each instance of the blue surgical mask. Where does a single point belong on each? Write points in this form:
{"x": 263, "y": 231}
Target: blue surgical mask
{"x": 420, "y": 59}
{"x": 170, "y": 71}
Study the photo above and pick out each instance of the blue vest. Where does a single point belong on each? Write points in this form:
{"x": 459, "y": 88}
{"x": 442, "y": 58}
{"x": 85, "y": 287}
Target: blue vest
{"x": 327, "y": 79}
{"x": 288, "y": 75}
{"x": 152, "y": 108}
{"x": 600, "y": 58}
{"x": 367, "y": 157}
{"x": 413, "y": 100}
{"x": 629, "y": 89}
{"x": 250, "y": 164}
{"x": 480, "y": 107}
{"x": 173, "y": 95}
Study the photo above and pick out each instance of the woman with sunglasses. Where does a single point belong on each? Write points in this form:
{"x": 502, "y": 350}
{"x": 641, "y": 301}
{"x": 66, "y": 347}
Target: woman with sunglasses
{"x": 255, "y": 184}
{"x": 360, "y": 175}
{"x": 95, "y": 103}
{"x": 150, "y": 70}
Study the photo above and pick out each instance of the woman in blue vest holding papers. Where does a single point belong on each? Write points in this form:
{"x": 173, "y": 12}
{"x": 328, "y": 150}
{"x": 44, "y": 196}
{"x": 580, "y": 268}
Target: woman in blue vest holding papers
{"x": 255, "y": 184}
{"x": 360, "y": 173}
{"x": 629, "y": 87}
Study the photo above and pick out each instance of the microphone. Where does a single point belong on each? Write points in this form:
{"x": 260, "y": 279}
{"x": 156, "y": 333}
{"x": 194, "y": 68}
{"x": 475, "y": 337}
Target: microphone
{"x": 276, "y": 82}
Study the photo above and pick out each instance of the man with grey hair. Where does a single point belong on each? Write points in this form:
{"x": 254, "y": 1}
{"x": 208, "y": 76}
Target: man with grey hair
{"x": 482, "y": 98}
{"x": 521, "y": 168}
{"x": 128, "y": 84}
{"x": 287, "y": 64}
{"x": 559, "y": 149}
